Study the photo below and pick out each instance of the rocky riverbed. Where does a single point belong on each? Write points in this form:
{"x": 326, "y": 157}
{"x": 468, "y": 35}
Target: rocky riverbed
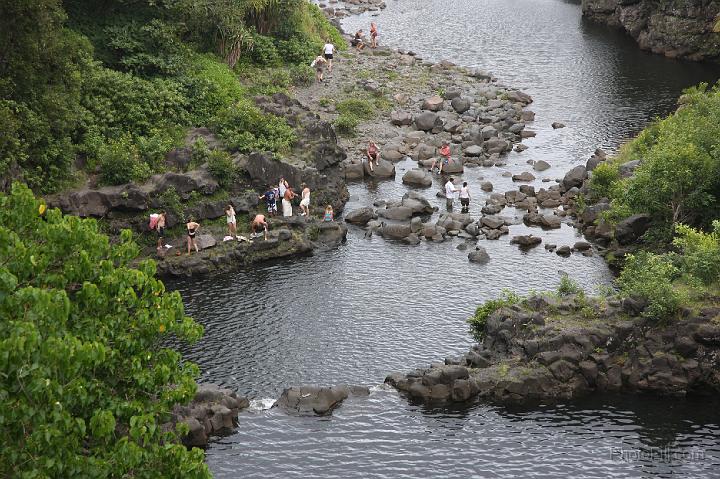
{"x": 552, "y": 348}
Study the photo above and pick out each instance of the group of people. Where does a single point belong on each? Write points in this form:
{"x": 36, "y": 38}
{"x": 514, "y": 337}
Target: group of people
{"x": 325, "y": 60}
{"x": 463, "y": 193}
{"x": 358, "y": 40}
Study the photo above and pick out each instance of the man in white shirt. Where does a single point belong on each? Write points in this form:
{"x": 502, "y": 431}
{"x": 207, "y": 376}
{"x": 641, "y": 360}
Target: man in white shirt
{"x": 450, "y": 191}
{"x": 329, "y": 51}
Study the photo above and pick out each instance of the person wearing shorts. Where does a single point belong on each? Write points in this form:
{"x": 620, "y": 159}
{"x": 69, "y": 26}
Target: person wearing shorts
{"x": 373, "y": 155}
{"x": 259, "y": 221}
{"x": 160, "y": 230}
{"x": 319, "y": 65}
{"x": 373, "y": 35}
{"x": 328, "y": 52}
{"x": 270, "y": 200}
{"x": 465, "y": 197}
{"x": 305, "y": 202}
{"x": 192, "y": 228}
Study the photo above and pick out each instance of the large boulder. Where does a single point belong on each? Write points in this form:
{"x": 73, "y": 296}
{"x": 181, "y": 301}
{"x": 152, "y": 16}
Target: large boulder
{"x": 519, "y": 97}
{"x": 384, "y": 169}
{"x": 434, "y": 103}
{"x": 575, "y": 177}
{"x": 424, "y": 152}
{"x": 400, "y": 118}
{"x": 473, "y": 151}
{"x": 428, "y": 121}
{"x": 360, "y": 216}
{"x": 417, "y": 203}
{"x": 479, "y": 256}
{"x": 394, "y": 231}
{"x": 205, "y": 241}
{"x": 524, "y": 176}
{"x": 526, "y": 241}
{"x": 417, "y": 177}
{"x": 541, "y": 165}
{"x": 312, "y": 400}
{"x": 454, "y": 166}
{"x": 632, "y": 228}
{"x": 354, "y": 171}
{"x": 398, "y": 213}
{"x": 461, "y": 104}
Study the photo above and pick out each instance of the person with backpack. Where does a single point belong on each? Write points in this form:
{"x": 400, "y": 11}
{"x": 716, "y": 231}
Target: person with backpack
{"x": 319, "y": 64}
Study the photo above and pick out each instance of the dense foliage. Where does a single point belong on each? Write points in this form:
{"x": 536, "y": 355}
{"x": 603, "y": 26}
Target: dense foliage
{"x": 84, "y": 381}
{"x": 110, "y": 87}
{"x": 678, "y": 179}
{"x": 482, "y": 313}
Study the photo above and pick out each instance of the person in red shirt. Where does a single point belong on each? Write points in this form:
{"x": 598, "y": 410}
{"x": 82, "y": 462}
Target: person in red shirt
{"x": 444, "y": 157}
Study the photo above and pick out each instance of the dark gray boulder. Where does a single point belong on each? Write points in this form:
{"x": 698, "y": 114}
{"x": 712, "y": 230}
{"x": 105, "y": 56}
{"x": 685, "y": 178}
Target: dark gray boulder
{"x": 361, "y": 216}
{"x": 632, "y": 228}
{"x": 575, "y": 177}
{"x": 479, "y": 256}
{"x": 312, "y": 400}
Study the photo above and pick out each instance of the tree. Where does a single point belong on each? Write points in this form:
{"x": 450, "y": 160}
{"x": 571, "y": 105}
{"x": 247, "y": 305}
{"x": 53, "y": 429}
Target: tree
{"x": 85, "y": 382}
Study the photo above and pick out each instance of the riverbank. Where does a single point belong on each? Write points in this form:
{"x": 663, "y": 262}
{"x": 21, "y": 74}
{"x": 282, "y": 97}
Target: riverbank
{"x": 687, "y": 29}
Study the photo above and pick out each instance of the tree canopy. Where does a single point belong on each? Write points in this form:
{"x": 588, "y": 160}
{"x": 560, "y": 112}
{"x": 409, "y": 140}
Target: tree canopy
{"x": 85, "y": 382}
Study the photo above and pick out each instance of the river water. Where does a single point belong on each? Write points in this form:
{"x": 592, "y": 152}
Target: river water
{"x": 370, "y": 307}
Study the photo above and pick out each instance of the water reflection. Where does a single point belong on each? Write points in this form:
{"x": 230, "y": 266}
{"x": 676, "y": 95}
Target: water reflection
{"x": 372, "y": 306}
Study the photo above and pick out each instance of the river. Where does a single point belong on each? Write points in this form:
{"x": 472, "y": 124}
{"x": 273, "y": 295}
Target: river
{"x": 370, "y": 307}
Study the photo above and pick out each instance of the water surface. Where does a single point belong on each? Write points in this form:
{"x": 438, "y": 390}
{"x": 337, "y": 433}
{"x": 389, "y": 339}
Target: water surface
{"x": 371, "y": 307}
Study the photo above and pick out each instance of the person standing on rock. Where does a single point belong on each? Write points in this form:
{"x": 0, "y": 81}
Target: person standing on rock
{"x": 319, "y": 65}
{"x": 450, "y": 191}
{"x": 465, "y": 197}
{"x": 231, "y": 221}
{"x": 329, "y": 52}
{"x": 270, "y": 201}
{"x": 160, "y": 229}
{"x": 287, "y": 201}
{"x": 373, "y": 35}
{"x": 282, "y": 187}
{"x": 305, "y": 202}
{"x": 373, "y": 154}
{"x": 257, "y": 222}
{"x": 192, "y": 229}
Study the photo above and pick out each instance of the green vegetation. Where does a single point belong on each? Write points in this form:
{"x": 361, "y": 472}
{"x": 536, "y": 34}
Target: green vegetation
{"x": 568, "y": 287}
{"x": 483, "y": 312}
{"x": 86, "y": 383}
{"x": 678, "y": 180}
{"x": 112, "y": 86}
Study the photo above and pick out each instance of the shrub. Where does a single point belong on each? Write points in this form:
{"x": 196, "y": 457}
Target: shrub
{"x": 199, "y": 152}
{"x": 357, "y": 107}
{"x": 120, "y": 163}
{"x": 700, "y": 252}
{"x": 299, "y": 51}
{"x": 568, "y": 286}
{"x": 170, "y": 201}
{"x": 346, "y": 124}
{"x": 86, "y": 381}
{"x": 264, "y": 52}
{"x": 650, "y": 277}
{"x": 604, "y": 180}
{"x": 301, "y": 75}
{"x": 220, "y": 165}
{"x": 245, "y": 128}
{"x": 482, "y": 313}
{"x": 679, "y": 177}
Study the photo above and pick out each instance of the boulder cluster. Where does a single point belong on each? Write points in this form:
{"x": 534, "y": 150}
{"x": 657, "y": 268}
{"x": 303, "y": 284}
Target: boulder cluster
{"x": 552, "y": 347}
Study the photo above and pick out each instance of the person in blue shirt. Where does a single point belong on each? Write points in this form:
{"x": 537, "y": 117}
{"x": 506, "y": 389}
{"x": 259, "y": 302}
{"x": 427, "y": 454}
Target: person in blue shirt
{"x": 269, "y": 197}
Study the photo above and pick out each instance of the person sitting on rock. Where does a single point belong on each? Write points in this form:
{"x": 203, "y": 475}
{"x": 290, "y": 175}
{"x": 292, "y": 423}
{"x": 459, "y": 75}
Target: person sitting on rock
{"x": 329, "y": 215}
{"x": 258, "y": 221}
{"x": 192, "y": 229}
{"x": 359, "y": 40}
{"x": 373, "y": 154}
{"x": 270, "y": 203}
{"x": 444, "y": 157}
